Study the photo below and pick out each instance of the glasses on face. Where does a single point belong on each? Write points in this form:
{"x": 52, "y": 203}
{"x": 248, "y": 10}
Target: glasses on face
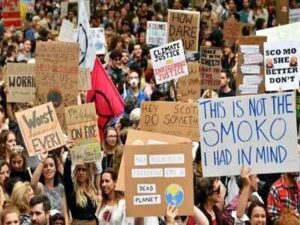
{"x": 81, "y": 169}
{"x": 217, "y": 190}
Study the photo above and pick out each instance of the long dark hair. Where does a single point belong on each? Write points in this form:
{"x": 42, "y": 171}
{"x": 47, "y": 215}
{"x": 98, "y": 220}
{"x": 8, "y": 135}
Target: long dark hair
{"x": 57, "y": 176}
{"x": 114, "y": 177}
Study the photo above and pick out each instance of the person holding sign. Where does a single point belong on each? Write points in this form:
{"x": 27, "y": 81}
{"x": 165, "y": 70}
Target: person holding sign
{"x": 80, "y": 193}
{"x": 47, "y": 173}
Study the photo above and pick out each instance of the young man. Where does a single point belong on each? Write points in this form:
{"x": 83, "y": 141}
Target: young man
{"x": 40, "y": 210}
{"x": 225, "y": 90}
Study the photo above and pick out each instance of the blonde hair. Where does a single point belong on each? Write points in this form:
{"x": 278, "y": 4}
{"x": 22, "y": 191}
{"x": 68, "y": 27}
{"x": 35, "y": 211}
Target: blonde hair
{"x": 20, "y": 194}
{"x": 81, "y": 199}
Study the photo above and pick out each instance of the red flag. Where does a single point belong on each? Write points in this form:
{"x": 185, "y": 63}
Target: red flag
{"x": 108, "y": 101}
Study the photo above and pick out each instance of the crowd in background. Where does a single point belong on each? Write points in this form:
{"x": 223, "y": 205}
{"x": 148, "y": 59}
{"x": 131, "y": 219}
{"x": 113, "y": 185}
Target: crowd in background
{"x": 50, "y": 190}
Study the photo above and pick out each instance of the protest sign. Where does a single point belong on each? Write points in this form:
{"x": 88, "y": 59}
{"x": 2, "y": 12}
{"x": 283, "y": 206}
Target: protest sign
{"x": 210, "y": 59}
{"x": 21, "y": 82}
{"x": 157, "y": 176}
{"x": 250, "y": 66}
{"x": 169, "y": 62}
{"x": 281, "y": 33}
{"x": 40, "y": 129}
{"x": 281, "y": 65}
{"x": 98, "y": 40}
{"x": 84, "y": 80}
{"x": 138, "y": 137}
{"x": 232, "y": 30}
{"x": 173, "y": 118}
{"x": 66, "y": 31}
{"x": 189, "y": 87}
{"x": 57, "y": 74}
{"x": 184, "y": 25}
{"x": 282, "y": 12}
{"x": 64, "y": 9}
{"x": 82, "y": 127}
{"x": 294, "y": 15}
{"x": 11, "y": 14}
{"x": 26, "y": 6}
{"x": 157, "y": 33}
{"x": 258, "y": 131}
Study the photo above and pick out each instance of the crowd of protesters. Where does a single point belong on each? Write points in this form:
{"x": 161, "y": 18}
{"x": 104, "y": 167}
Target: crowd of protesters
{"x": 48, "y": 189}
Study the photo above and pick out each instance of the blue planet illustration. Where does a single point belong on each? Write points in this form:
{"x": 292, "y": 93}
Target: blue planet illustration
{"x": 174, "y": 195}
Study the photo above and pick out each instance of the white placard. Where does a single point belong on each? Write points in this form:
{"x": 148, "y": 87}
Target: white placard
{"x": 281, "y": 65}
{"x": 147, "y": 200}
{"x": 169, "y": 62}
{"x": 146, "y": 173}
{"x": 99, "y": 40}
{"x": 140, "y": 160}
{"x": 66, "y": 33}
{"x": 146, "y": 188}
{"x": 250, "y": 69}
{"x": 166, "y": 159}
{"x": 252, "y": 79}
{"x": 157, "y": 33}
{"x": 258, "y": 131}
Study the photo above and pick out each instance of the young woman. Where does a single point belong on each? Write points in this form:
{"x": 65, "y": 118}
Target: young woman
{"x": 10, "y": 216}
{"x": 80, "y": 193}
{"x": 18, "y": 163}
{"x": 112, "y": 208}
{"x": 4, "y": 175}
{"x": 20, "y": 197}
{"x": 45, "y": 179}
{"x": 110, "y": 146}
{"x": 257, "y": 213}
{"x": 7, "y": 141}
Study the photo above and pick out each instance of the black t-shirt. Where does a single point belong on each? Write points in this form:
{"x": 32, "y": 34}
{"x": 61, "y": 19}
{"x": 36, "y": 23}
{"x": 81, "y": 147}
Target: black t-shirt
{"x": 231, "y": 93}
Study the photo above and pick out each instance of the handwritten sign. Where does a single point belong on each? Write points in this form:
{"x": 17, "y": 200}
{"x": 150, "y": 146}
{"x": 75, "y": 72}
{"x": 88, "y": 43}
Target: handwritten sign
{"x": 21, "y": 82}
{"x": 57, "y": 74}
{"x": 66, "y": 31}
{"x": 232, "y": 30}
{"x": 258, "y": 131}
{"x": 169, "y": 62}
{"x": 40, "y": 129}
{"x": 157, "y": 176}
{"x": 210, "y": 67}
{"x": 64, "y": 9}
{"x": 184, "y": 25}
{"x": 189, "y": 87}
{"x": 156, "y": 33}
{"x": 84, "y": 79}
{"x": 173, "y": 118}
{"x": 281, "y": 65}
{"x": 99, "y": 40}
{"x": 11, "y": 13}
{"x": 82, "y": 127}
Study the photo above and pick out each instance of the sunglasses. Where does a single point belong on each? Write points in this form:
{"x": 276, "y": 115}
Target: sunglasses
{"x": 218, "y": 190}
{"x": 81, "y": 169}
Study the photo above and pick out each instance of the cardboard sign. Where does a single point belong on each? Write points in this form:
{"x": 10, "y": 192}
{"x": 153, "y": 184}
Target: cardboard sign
{"x": 157, "y": 176}
{"x": 66, "y": 31}
{"x": 281, "y": 33}
{"x": 282, "y": 12}
{"x": 210, "y": 67}
{"x": 184, "y": 25}
{"x": 250, "y": 79}
{"x": 40, "y": 129}
{"x": 21, "y": 82}
{"x": 173, "y": 118}
{"x": 57, "y": 74}
{"x": 11, "y": 13}
{"x": 232, "y": 30}
{"x": 84, "y": 80}
{"x": 281, "y": 65}
{"x": 156, "y": 33}
{"x": 138, "y": 137}
{"x": 82, "y": 127}
{"x": 258, "y": 131}
{"x": 169, "y": 62}
{"x": 99, "y": 40}
{"x": 189, "y": 87}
